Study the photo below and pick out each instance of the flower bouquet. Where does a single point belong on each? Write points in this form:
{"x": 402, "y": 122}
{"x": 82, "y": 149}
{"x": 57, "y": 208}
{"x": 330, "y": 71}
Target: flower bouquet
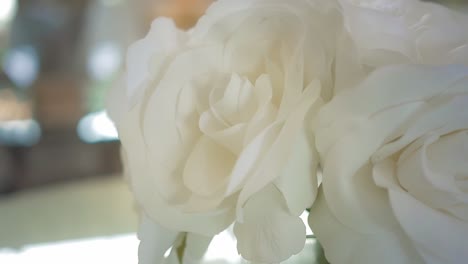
{"x": 354, "y": 109}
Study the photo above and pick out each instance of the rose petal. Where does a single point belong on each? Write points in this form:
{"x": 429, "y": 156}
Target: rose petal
{"x": 231, "y": 138}
{"x": 266, "y": 111}
{"x": 269, "y": 234}
{"x": 170, "y": 120}
{"x": 404, "y": 31}
{"x": 345, "y": 188}
{"x": 195, "y": 248}
{"x": 155, "y": 240}
{"x": 298, "y": 180}
{"x": 142, "y": 68}
{"x": 434, "y": 173}
{"x": 250, "y": 156}
{"x": 389, "y": 26}
{"x": 206, "y": 204}
{"x": 392, "y": 86}
{"x": 270, "y": 165}
{"x": 417, "y": 176}
{"x": 437, "y": 236}
{"x": 237, "y": 104}
{"x": 436, "y": 119}
{"x": 207, "y": 167}
{"x": 343, "y": 244}
{"x": 143, "y": 183}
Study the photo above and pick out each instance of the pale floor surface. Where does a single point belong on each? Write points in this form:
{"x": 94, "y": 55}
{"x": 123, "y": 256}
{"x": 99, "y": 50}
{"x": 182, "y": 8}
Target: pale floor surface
{"x": 91, "y": 221}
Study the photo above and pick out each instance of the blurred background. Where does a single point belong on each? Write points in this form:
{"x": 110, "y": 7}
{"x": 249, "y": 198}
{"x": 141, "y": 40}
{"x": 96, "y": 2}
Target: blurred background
{"x": 58, "y": 59}
{"x": 60, "y": 181}
{"x": 60, "y": 184}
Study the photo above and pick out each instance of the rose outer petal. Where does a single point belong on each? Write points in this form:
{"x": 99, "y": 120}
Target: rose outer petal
{"x": 155, "y": 240}
{"x": 269, "y": 234}
{"x": 437, "y": 236}
{"x": 343, "y": 244}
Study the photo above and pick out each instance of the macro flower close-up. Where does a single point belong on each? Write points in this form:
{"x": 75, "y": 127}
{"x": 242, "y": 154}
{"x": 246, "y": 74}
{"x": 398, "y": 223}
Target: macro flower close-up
{"x": 217, "y": 123}
{"x": 394, "y": 176}
{"x": 242, "y": 121}
{"x": 234, "y": 131}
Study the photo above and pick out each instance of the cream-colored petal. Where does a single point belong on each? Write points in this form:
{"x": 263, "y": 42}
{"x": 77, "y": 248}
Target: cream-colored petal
{"x": 173, "y": 258}
{"x": 262, "y": 35}
{"x": 269, "y": 233}
{"x": 251, "y": 156}
{"x": 144, "y": 182}
{"x": 161, "y": 112}
{"x": 271, "y": 165}
{"x": 443, "y": 170}
{"x": 349, "y": 71}
{"x": 238, "y": 102}
{"x": 437, "y": 118}
{"x": 404, "y": 31}
{"x": 219, "y": 19}
{"x": 195, "y": 248}
{"x": 207, "y": 167}
{"x": 155, "y": 240}
{"x": 169, "y": 119}
{"x": 389, "y": 26}
{"x": 266, "y": 112}
{"x": 393, "y": 86}
{"x": 346, "y": 181}
{"x": 345, "y": 245}
{"x": 416, "y": 174}
{"x": 438, "y": 237}
{"x": 207, "y": 204}
{"x": 231, "y": 138}
{"x": 459, "y": 55}
{"x": 147, "y": 57}
{"x": 293, "y": 80}
{"x": 389, "y": 87}
{"x": 298, "y": 180}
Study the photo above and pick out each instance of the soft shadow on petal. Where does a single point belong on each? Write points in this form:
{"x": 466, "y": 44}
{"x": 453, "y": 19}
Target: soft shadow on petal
{"x": 437, "y": 119}
{"x": 344, "y": 245}
{"x": 142, "y": 67}
{"x": 397, "y": 94}
{"x": 390, "y": 87}
{"x": 144, "y": 183}
{"x": 155, "y": 241}
{"x": 438, "y": 237}
{"x": 207, "y": 167}
{"x": 270, "y": 166}
{"x": 298, "y": 180}
{"x": 195, "y": 248}
{"x": 347, "y": 179}
{"x": 269, "y": 233}
{"x": 251, "y": 156}
{"x": 405, "y": 31}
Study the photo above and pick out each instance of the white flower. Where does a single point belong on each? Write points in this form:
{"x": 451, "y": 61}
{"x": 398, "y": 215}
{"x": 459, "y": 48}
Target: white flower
{"x": 406, "y": 31}
{"x": 214, "y": 125}
{"x": 387, "y": 32}
{"x": 395, "y": 173}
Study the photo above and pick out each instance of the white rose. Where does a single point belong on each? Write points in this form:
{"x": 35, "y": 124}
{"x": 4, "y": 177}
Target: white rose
{"x": 214, "y": 125}
{"x": 388, "y": 32}
{"x": 406, "y": 31}
{"x": 394, "y": 153}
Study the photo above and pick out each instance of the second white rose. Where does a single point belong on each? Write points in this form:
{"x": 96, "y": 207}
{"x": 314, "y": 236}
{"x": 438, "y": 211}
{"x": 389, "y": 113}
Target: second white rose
{"x": 395, "y": 178}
